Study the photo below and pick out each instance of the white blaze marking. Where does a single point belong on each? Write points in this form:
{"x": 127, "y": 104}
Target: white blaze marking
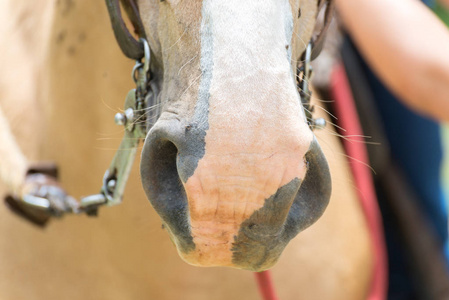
{"x": 246, "y": 38}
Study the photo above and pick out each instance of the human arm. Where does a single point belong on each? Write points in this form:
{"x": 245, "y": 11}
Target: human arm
{"x": 445, "y": 3}
{"x": 407, "y": 46}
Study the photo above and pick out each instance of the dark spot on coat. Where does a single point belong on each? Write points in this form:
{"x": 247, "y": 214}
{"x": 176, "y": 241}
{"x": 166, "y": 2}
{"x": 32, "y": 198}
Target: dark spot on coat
{"x": 60, "y": 37}
{"x": 71, "y": 50}
{"x": 67, "y": 6}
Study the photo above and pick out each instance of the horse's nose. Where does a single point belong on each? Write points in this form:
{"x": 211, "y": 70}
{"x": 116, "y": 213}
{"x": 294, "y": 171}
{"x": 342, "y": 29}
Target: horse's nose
{"x": 228, "y": 206}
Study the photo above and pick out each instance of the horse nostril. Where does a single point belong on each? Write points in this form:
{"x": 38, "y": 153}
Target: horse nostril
{"x": 158, "y": 170}
{"x": 163, "y": 186}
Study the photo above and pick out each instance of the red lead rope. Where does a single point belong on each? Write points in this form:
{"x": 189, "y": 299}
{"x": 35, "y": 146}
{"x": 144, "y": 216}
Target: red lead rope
{"x": 348, "y": 119}
{"x": 266, "y": 286}
{"x": 345, "y": 109}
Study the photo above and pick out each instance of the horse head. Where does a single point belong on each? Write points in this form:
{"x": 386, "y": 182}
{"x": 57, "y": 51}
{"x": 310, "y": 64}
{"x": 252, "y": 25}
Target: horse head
{"x": 230, "y": 164}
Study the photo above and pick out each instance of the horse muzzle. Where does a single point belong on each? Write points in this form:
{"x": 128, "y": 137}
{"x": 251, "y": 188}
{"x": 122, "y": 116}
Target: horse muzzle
{"x": 229, "y": 209}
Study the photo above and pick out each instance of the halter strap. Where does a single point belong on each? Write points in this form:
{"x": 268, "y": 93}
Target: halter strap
{"x": 318, "y": 39}
{"x": 131, "y": 47}
{"x": 304, "y": 68}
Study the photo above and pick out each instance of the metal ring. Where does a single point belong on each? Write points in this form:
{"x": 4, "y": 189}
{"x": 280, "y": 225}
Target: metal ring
{"x": 146, "y": 61}
{"x": 147, "y": 56}
{"x": 308, "y": 54}
{"x": 134, "y": 71}
{"x": 306, "y": 65}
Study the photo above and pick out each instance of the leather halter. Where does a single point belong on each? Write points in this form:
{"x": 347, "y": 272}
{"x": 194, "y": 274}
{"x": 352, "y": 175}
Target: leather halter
{"x": 318, "y": 39}
{"x": 133, "y": 48}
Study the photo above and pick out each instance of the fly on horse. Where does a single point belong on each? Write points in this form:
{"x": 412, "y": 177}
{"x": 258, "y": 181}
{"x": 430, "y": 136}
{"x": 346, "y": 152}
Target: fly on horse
{"x": 230, "y": 164}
